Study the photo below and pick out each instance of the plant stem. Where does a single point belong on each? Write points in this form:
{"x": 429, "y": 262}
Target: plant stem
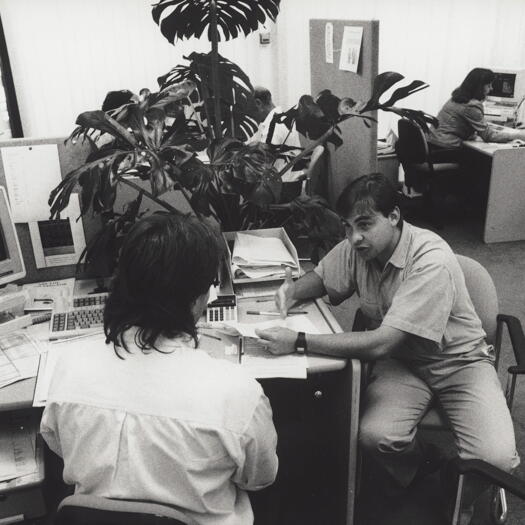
{"x": 307, "y": 150}
{"x": 215, "y": 69}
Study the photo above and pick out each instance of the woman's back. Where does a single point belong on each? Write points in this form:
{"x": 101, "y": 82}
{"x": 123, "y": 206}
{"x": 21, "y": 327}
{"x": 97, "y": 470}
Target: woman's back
{"x": 176, "y": 427}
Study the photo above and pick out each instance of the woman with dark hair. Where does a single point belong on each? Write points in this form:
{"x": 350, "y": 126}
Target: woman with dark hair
{"x": 462, "y": 116}
{"x": 157, "y": 419}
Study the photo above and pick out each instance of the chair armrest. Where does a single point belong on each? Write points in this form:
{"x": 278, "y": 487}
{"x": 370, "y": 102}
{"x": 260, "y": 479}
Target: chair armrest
{"x": 517, "y": 339}
{"x": 497, "y": 476}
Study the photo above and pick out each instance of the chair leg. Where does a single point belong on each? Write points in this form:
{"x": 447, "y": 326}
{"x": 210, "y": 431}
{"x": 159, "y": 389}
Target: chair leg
{"x": 457, "y": 505}
{"x": 498, "y": 506}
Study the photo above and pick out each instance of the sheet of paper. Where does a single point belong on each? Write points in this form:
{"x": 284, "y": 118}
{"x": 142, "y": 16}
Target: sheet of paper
{"x": 34, "y": 167}
{"x": 22, "y": 351}
{"x": 258, "y": 273}
{"x": 259, "y": 363}
{"x": 256, "y": 251}
{"x": 299, "y": 323}
{"x": 7, "y": 456}
{"x": 69, "y": 230}
{"x": 17, "y": 446}
{"x": 329, "y": 42}
{"x": 351, "y": 48}
{"x": 48, "y": 361}
{"x": 8, "y": 371}
{"x": 45, "y": 295}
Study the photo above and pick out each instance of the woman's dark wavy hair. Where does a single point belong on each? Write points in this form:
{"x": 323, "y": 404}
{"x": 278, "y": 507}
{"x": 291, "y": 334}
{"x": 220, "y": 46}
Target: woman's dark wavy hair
{"x": 373, "y": 191}
{"x": 166, "y": 262}
{"x": 472, "y": 86}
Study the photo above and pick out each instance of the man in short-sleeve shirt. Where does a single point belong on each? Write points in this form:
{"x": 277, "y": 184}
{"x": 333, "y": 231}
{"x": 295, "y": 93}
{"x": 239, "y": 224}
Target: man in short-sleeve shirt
{"x": 424, "y": 334}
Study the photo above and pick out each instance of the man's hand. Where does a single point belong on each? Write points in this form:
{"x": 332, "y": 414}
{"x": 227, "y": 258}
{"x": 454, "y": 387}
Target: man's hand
{"x": 284, "y": 298}
{"x": 277, "y": 340}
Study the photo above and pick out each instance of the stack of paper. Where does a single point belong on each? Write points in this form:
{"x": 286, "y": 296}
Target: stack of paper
{"x": 259, "y": 257}
{"x": 18, "y": 452}
{"x": 19, "y": 355}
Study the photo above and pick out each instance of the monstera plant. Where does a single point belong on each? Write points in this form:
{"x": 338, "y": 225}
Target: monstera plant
{"x": 190, "y": 136}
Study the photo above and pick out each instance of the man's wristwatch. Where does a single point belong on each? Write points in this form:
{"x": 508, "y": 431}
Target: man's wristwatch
{"x": 300, "y": 343}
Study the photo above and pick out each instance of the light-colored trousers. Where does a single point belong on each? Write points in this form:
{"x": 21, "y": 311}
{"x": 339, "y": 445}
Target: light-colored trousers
{"x": 397, "y": 398}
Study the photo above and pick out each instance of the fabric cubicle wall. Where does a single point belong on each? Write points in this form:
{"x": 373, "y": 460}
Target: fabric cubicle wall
{"x": 358, "y": 153}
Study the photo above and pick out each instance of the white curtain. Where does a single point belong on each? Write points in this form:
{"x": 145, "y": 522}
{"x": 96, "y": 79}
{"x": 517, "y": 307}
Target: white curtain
{"x": 67, "y": 54}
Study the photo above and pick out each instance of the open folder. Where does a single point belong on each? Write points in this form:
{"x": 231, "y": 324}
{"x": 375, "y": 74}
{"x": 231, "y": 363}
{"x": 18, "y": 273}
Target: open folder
{"x": 260, "y": 257}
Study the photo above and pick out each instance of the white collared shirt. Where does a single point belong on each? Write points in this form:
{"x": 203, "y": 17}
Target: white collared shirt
{"x": 281, "y": 135}
{"x": 178, "y": 428}
{"x": 421, "y": 291}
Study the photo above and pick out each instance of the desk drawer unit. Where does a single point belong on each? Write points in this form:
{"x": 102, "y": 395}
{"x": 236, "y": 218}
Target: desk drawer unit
{"x": 313, "y": 428}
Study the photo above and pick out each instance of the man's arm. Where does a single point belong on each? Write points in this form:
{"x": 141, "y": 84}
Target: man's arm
{"x": 309, "y": 286}
{"x": 367, "y": 346}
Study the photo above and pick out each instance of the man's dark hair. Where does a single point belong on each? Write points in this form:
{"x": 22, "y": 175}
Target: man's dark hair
{"x": 263, "y": 94}
{"x": 115, "y": 99}
{"x": 472, "y": 86}
{"x": 166, "y": 262}
{"x": 373, "y": 191}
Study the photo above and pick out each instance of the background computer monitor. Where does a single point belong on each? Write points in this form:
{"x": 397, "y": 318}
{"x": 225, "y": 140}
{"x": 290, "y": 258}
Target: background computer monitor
{"x": 508, "y": 86}
{"x": 11, "y": 261}
{"x": 503, "y": 85}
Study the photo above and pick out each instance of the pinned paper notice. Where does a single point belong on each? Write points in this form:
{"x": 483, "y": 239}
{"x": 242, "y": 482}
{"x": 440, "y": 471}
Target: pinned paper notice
{"x": 31, "y": 172}
{"x": 351, "y": 48}
{"x": 329, "y": 42}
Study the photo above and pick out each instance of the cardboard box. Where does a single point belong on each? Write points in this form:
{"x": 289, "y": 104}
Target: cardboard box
{"x": 279, "y": 233}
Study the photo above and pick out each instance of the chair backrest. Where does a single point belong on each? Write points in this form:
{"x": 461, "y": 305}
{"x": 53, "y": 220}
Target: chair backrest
{"x": 483, "y": 293}
{"x": 82, "y": 509}
{"x": 412, "y": 147}
{"x": 316, "y": 175}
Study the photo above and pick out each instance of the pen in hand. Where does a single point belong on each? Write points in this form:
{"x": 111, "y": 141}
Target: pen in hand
{"x": 240, "y": 349}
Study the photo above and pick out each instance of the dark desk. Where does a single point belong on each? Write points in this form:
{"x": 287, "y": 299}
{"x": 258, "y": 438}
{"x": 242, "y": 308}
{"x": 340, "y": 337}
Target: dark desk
{"x": 505, "y": 213}
{"x": 317, "y": 426}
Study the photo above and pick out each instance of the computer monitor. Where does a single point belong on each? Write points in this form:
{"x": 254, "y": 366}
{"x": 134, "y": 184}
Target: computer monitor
{"x": 11, "y": 260}
{"x": 508, "y": 87}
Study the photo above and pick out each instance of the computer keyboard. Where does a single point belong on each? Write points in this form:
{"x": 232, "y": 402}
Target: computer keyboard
{"x": 86, "y": 316}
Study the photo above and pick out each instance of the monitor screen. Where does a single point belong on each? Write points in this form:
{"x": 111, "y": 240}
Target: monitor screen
{"x": 11, "y": 261}
{"x": 503, "y": 85}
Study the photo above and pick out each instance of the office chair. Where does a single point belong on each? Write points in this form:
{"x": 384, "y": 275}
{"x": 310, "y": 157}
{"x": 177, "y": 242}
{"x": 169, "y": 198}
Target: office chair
{"x": 81, "y": 509}
{"x": 312, "y": 181}
{"x": 485, "y": 300}
{"x": 423, "y": 173}
{"x": 316, "y": 182}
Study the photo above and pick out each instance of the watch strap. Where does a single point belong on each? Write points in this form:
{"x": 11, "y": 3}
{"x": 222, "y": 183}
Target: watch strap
{"x": 300, "y": 343}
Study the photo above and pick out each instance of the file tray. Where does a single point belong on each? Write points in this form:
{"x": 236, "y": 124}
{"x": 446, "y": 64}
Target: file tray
{"x": 279, "y": 233}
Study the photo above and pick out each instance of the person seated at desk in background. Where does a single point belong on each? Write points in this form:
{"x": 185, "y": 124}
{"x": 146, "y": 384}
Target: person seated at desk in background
{"x": 265, "y": 110}
{"x": 147, "y": 416}
{"x": 425, "y": 335}
{"x": 462, "y": 116}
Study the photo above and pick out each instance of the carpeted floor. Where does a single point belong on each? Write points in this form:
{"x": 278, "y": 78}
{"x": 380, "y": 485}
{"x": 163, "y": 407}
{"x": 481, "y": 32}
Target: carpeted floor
{"x": 424, "y": 503}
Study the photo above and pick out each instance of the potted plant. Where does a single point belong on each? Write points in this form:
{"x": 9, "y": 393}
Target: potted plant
{"x": 190, "y": 136}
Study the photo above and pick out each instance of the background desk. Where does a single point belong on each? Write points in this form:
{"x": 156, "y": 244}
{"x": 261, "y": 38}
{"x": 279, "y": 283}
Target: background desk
{"x": 317, "y": 425}
{"x": 505, "y": 213}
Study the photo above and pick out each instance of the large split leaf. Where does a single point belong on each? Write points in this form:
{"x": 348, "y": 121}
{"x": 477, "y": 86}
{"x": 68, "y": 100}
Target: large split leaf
{"x": 181, "y": 19}
{"x": 236, "y": 93}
